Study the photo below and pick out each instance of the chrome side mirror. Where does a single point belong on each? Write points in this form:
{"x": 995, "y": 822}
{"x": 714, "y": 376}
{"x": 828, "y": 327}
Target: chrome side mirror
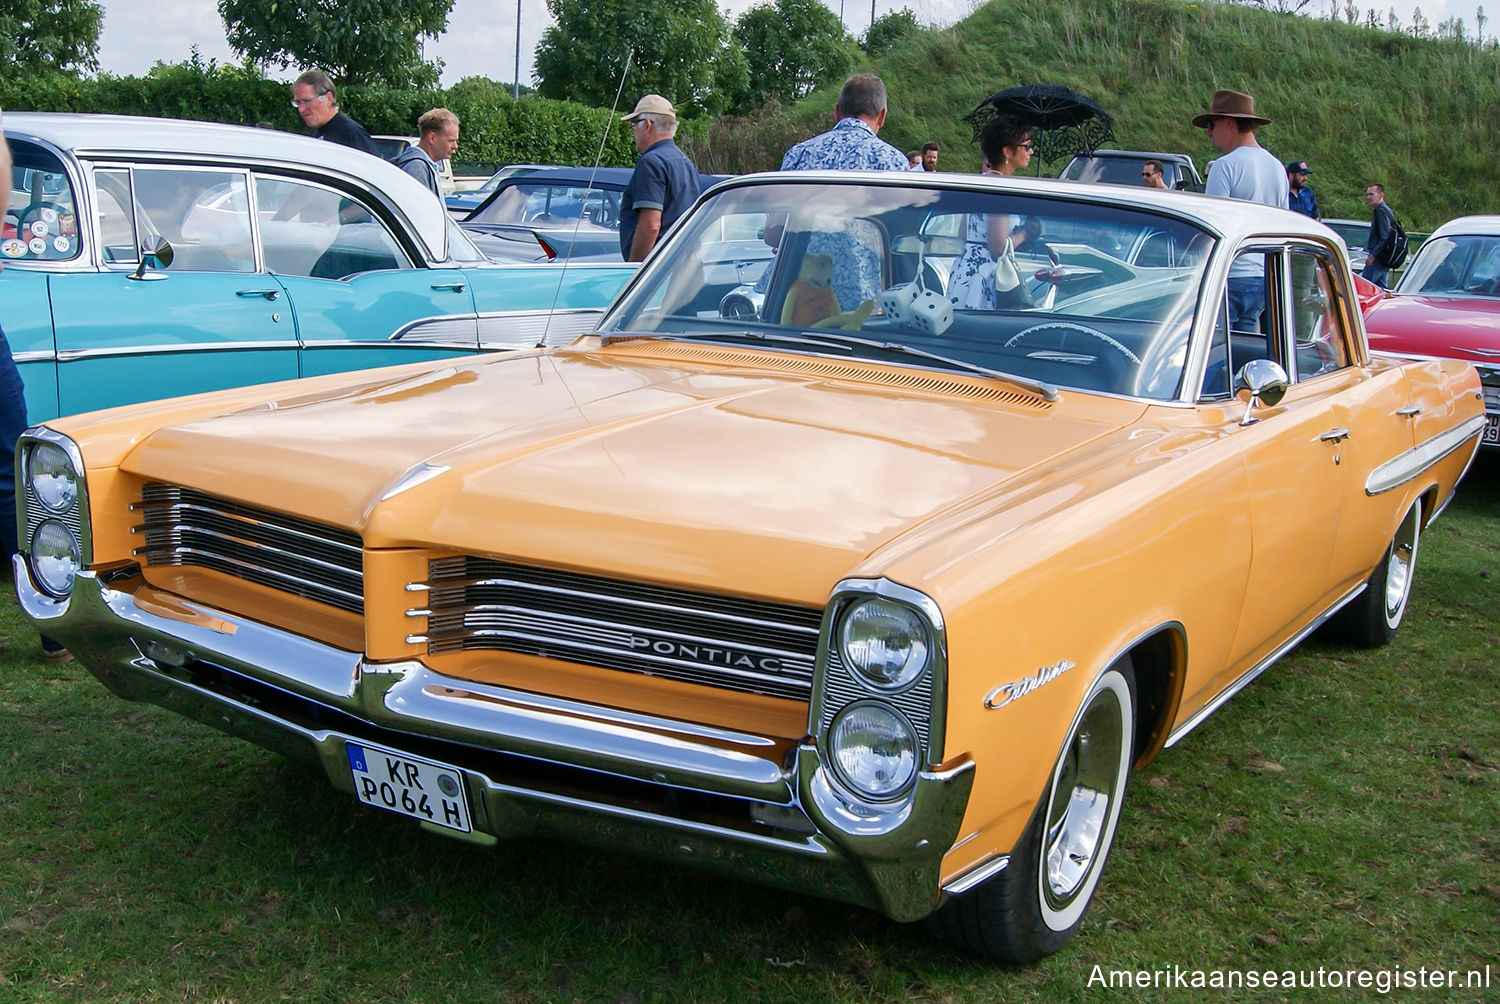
{"x": 1260, "y": 383}
{"x": 156, "y": 252}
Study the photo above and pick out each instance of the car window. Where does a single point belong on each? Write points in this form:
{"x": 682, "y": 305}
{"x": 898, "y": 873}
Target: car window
{"x": 118, "y": 240}
{"x": 194, "y": 209}
{"x": 542, "y": 205}
{"x": 310, "y": 230}
{"x": 923, "y": 269}
{"x": 1460, "y": 265}
{"x": 1244, "y": 327}
{"x": 1320, "y": 341}
{"x": 41, "y": 213}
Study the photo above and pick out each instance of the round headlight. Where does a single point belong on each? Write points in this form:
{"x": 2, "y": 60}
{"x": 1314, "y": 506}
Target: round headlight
{"x": 885, "y": 642}
{"x": 874, "y": 750}
{"x": 54, "y": 557}
{"x": 52, "y": 478}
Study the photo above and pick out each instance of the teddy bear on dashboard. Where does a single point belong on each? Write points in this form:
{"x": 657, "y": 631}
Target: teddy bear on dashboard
{"x": 811, "y": 302}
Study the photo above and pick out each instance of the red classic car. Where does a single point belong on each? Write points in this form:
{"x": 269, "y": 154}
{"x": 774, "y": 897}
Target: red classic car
{"x": 1446, "y": 306}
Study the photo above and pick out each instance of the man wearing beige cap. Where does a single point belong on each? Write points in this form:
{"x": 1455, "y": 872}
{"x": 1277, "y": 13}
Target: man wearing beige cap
{"x": 1250, "y": 172}
{"x": 664, "y": 184}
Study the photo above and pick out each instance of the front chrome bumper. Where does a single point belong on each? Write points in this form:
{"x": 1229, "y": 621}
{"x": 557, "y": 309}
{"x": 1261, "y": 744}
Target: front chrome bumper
{"x": 707, "y": 797}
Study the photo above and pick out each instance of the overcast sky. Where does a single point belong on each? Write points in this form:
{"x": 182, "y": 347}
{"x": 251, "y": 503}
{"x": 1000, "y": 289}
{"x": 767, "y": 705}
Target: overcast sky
{"x": 480, "y": 41}
{"x": 481, "y": 36}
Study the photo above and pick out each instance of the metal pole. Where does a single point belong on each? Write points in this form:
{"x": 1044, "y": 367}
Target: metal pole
{"x": 515, "y": 87}
{"x": 872, "y": 13}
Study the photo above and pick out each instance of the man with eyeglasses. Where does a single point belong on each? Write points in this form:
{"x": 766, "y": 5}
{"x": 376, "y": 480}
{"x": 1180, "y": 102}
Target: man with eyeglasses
{"x": 312, "y": 96}
{"x": 1151, "y": 175}
{"x": 664, "y": 184}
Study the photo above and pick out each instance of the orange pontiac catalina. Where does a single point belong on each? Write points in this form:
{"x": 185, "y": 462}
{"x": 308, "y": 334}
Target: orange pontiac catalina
{"x": 884, "y": 603}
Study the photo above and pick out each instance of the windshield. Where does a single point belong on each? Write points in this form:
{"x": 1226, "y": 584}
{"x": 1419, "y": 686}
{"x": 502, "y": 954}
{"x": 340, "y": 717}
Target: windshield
{"x": 1460, "y": 265}
{"x": 540, "y": 205}
{"x": 1065, "y": 293}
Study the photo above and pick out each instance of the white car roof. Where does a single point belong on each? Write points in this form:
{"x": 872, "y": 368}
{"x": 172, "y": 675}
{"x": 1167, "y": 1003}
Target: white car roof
{"x": 127, "y": 136}
{"x": 1485, "y": 226}
{"x": 1230, "y": 218}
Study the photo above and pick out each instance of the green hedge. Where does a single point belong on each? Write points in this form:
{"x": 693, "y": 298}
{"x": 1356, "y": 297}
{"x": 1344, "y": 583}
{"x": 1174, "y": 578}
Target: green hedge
{"x": 496, "y": 128}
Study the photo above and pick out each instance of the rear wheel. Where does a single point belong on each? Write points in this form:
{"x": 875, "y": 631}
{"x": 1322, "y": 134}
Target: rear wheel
{"x": 1036, "y": 904}
{"x": 1374, "y": 616}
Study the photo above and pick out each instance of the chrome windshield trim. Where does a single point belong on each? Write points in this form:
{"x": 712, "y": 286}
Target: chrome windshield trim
{"x": 1399, "y": 470}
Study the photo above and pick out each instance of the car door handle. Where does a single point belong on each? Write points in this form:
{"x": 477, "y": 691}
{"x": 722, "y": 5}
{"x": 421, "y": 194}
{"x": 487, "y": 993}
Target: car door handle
{"x": 269, "y": 294}
{"x": 456, "y": 287}
{"x": 1411, "y": 411}
{"x": 1334, "y": 435}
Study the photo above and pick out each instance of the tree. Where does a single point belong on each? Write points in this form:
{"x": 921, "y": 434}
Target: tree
{"x": 889, "y": 30}
{"x": 791, "y": 46}
{"x": 678, "y": 49}
{"x": 41, "y": 36}
{"x": 353, "y": 41}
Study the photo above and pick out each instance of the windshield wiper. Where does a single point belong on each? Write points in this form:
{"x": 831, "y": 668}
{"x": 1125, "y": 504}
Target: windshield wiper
{"x": 745, "y": 335}
{"x": 1047, "y": 390}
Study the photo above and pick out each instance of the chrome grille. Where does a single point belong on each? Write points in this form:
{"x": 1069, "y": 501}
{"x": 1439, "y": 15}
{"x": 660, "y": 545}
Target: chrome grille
{"x": 754, "y": 646}
{"x": 183, "y": 526}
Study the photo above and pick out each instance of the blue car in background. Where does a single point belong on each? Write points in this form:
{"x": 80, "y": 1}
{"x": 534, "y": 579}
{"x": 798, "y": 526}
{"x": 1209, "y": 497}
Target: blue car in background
{"x": 145, "y": 258}
{"x": 572, "y": 214}
{"x": 461, "y": 204}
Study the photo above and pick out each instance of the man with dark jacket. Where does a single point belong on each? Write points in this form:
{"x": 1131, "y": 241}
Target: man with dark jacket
{"x": 1382, "y": 237}
{"x": 313, "y": 97}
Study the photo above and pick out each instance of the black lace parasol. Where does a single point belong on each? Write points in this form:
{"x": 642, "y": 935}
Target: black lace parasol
{"x": 1066, "y": 122}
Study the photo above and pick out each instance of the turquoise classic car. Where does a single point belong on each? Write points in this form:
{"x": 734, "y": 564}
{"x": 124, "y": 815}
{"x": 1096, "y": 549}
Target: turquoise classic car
{"x": 145, "y": 258}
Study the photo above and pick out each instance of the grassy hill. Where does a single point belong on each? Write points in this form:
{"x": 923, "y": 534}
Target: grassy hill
{"x": 1360, "y": 105}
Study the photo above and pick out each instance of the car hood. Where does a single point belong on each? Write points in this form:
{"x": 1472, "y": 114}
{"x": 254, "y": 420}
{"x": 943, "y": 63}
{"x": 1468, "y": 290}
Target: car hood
{"x": 713, "y": 466}
{"x": 1452, "y": 327}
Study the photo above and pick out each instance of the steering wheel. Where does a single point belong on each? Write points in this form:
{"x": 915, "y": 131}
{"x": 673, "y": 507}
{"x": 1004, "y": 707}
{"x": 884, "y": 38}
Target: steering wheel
{"x": 1064, "y": 328}
{"x": 31, "y": 212}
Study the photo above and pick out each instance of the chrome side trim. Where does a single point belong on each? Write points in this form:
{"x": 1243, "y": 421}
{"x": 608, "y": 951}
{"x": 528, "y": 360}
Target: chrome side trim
{"x": 70, "y": 355}
{"x": 989, "y": 869}
{"x": 42, "y": 356}
{"x": 526, "y": 328}
{"x": 1399, "y": 470}
{"x": 1265, "y": 664}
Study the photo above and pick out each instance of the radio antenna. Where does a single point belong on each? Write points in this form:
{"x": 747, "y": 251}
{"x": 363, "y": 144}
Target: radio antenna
{"x": 593, "y": 173}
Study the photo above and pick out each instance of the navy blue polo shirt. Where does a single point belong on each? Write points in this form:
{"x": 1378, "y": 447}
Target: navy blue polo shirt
{"x": 664, "y": 179}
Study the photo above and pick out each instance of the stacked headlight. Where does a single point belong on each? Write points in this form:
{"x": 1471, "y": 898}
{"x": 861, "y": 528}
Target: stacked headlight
{"x": 52, "y": 517}
{"x": 885, "y": 642}
{"x": 878, "y": 694}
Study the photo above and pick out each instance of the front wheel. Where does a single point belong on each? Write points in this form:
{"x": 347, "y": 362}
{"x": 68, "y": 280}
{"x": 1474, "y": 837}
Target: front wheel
{"x": 1372, "y": 618}
{"x": 1036, "y": 904}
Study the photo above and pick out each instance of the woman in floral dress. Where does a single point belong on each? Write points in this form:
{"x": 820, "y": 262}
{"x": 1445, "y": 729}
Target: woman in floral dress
{"x": 1006, "y": 144}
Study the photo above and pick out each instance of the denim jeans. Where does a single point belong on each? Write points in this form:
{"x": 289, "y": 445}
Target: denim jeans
{"x": 12, "y": 424}
{"x": 1247, "y": 301}
{"x": 1378, "y": 274}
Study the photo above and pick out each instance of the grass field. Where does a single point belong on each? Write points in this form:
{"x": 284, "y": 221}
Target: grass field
{"x": 1339, "y": 814}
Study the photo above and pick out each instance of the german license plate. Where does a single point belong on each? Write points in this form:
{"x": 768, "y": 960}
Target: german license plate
{"x": 399, "y": 782}
{"x": 1492, "y": 430}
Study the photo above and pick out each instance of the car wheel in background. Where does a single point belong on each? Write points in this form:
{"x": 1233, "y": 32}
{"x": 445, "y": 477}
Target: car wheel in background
{"x": 1372, "y": 618}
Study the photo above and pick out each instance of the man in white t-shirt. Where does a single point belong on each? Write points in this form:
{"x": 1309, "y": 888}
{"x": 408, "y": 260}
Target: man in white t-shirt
{"x": 1250, "y": 172}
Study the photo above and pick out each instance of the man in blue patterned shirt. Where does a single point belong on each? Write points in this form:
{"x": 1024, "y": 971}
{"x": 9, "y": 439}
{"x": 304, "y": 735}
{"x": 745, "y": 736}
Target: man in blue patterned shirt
{"x": 851, "y": 145}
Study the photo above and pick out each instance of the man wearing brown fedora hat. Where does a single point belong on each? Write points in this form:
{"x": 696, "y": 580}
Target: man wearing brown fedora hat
{"x": 1247, "y": 170}
{"x": 1250, "y": 172}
